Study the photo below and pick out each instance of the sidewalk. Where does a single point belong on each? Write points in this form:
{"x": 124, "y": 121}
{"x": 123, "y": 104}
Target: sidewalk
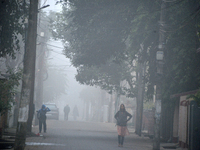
{"x": 8, "y": 138}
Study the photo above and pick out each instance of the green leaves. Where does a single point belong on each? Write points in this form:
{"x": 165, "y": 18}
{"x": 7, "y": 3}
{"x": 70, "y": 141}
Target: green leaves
{"x": 11, "y": 24}
{"x": 96, "y": 31}
{"x": 108, "y": 77}
{"x": 128, "y": 31}
{"x": 195, "y": 97}
{"x": 181, "y": 60}
{"x": 8, "y": 89}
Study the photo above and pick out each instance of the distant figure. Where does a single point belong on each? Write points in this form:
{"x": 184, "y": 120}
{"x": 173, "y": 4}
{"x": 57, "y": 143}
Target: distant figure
{"x": 121, "y": 117}
{"x": 41, "y": 115}
{"x": 66, "y": 112}
{"x": 75, "y": 112}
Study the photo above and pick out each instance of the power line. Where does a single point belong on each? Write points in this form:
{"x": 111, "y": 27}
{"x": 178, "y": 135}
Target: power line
{"x": 57, "y": 52}
{"x": 54, "y": 46}
{"x": 59, "y": 59}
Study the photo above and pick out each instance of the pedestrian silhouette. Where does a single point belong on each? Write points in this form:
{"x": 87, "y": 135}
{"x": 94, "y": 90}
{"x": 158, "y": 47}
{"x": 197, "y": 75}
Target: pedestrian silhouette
{"x": 75, "y": 112}
{"x": 121, "y": 117}
{"x": 41, "y": 115}
{"x": 66, "y": 112}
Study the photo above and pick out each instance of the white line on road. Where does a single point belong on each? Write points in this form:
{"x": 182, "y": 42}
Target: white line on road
{"x": 34, "y": 143}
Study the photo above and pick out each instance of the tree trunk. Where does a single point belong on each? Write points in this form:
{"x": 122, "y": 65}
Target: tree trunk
{"x": 27, "y": 91}
{"x": 140, "y": 96}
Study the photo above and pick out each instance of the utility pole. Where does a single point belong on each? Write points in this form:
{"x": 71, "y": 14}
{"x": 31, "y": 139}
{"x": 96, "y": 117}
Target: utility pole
{"x": 39, "y": 76}
{"x": 159, "y": 57}
{"x": 28, "y": 77}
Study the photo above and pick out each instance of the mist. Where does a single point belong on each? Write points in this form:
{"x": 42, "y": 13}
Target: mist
{"x": 60, "y": 86}
{"x": 85, "y": 74}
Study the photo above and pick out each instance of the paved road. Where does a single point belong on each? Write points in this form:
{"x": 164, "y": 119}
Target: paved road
{"x": 78, "y": 135}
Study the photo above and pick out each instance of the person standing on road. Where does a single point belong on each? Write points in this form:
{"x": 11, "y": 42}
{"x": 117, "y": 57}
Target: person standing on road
{"x": 121, "y": 117}
{"x": 75, "y": 112}
{"x": 41, "y": 114}
{"x": 66, "y": 112}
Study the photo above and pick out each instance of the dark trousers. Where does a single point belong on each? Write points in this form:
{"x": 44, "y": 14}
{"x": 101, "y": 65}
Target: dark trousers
{"x": 120, "y": 140}
{"x": 42, "y": 122}
{"x": 66, "y": 116}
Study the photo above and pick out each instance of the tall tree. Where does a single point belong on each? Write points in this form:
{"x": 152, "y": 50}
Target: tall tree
{"x": 11, "y": 27}
{"x": 181, "y": 69}
{"x": 95, "y": 31}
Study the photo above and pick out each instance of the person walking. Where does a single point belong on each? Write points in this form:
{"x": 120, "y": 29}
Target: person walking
{"x": 121, "y": 117}
{"x": 41, "y": 114}
{"x": 66, "y": 112}
{"x": 75, "y": 112}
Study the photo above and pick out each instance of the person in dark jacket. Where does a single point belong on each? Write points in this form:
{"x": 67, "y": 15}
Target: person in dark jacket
{"x": 121, "y": 117}
{"x": 66, "y": 112}
{"x": 42, "y": 118}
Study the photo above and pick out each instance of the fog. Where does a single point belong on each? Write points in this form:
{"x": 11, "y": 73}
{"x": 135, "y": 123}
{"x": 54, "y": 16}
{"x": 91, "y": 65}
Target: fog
{"x": 141, "y": 59}
{"x": 60, "y": 86}
{"x": 60, "y": 70}
{"x": 57, "y": 61}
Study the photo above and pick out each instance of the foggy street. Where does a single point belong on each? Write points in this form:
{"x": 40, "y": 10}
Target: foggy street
{"x": 80, "y": 74}
{"x": 81, "y": 135}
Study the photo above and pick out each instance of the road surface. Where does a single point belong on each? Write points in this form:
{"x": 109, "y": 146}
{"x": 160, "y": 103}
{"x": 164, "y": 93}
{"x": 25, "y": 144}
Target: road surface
{"x": 82, "y": 135}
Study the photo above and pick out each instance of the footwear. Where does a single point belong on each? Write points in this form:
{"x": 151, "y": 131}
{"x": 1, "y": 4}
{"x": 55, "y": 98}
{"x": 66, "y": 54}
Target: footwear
{"x": 119, "y": 145}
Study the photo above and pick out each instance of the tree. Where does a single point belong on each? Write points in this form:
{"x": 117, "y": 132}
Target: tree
{"x": 97, "y": 31}
{"x": 8, "y": 88}
{"x": 94, "y": 100}
{"x": 94, "y": 32}
{"x": 181, "y": 71}
{"x": 11, "y": 24}
{"x": 11, "y": 28}
{"x": 108, "y": 77}
{"x": 94, "y": 29}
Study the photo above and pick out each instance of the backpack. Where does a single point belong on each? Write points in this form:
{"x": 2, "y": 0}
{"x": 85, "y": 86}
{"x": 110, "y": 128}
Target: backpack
{"x": 41, "y": 114}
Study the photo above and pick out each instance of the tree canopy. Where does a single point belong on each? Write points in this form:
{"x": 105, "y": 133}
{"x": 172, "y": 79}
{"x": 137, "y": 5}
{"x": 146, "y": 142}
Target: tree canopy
{"x": 126, "y": 31}
{"x": 95, "y": 31}
{"x": 11, "y": 24}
